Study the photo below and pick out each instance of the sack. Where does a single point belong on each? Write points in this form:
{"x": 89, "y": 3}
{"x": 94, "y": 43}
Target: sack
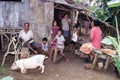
{"x": 24, "y": 53}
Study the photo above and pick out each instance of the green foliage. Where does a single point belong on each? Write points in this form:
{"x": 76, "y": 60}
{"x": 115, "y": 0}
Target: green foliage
{"x": 116, "y": 43}
{"x": 7, "y": 78}
{"x": 113, "y": 3}
{"x": 4, "y": 69}
{"x": 117, "y": 62}
{"x": 78, "y": 1}
{"x": 104, "y": 13}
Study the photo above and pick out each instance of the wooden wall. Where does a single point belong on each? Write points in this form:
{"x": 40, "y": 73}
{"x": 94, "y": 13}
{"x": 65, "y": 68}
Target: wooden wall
{"x": 39, "y": 14}
{"x": 41, "y": 17}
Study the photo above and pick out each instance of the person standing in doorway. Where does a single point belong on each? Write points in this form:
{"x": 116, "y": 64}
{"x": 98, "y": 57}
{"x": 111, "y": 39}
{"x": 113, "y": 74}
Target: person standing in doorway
{"x": 65, "y": 26}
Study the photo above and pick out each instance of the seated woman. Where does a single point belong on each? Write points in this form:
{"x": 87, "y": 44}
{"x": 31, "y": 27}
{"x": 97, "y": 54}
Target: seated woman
{"x": 26, "y": 36}
{"x": 96, "y": 37}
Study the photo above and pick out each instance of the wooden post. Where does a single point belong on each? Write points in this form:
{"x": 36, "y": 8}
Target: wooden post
{"x": 95, "y": 61}
{"x": 55, "y": 55}
{"x": 107, "y": 62}
{"x": 76, "y": 18}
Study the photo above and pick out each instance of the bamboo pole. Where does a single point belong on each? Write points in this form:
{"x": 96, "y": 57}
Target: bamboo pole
{"x": 76, "y": 18}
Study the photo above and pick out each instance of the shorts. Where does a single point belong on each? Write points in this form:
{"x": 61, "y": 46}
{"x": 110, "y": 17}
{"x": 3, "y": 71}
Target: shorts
{"x": 61, "y": 50}
{"x": 53, "y": 44}
{"x": 72, "y": 42}
{"x": 66, "y": 33}
{"x": 33, "y": 45}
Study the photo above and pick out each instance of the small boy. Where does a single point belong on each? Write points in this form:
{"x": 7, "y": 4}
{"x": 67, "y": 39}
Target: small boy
{"x": 74, "y": 38}
{"x": 60, "y": 44}
{"x": 45, "y": 47}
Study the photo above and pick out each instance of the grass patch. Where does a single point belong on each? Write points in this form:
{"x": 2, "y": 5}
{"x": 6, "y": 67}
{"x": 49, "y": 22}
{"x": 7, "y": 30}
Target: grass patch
{"x": 4, "y": 69}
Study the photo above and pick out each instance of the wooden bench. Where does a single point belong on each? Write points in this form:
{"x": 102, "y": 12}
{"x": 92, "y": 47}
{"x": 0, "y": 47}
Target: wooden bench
{"x": 99, "y": 52}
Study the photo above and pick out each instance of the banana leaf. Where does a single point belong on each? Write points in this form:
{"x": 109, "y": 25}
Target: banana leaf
{"x": 113, "y": 3}
{"x": 117, "y": 62}
{"x": 116, "y": 43}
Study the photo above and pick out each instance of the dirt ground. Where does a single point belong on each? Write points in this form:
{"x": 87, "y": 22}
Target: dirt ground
{"x": 72, "y": 70}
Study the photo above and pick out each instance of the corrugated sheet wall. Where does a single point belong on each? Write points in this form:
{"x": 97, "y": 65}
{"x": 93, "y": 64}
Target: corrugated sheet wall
{"x": 11, "y": 14}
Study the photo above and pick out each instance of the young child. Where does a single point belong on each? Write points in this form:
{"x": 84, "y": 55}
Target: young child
{"x": 74, "y": 38}
{"x": 45, "y": 47}
{"x": 60, "y": 44}
{"x": 54, "y": 32}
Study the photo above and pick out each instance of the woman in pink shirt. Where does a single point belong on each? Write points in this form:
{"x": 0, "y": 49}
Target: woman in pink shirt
{"x": 95, "y": 36}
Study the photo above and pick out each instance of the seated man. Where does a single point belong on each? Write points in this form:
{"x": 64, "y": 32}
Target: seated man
{"x": 26, "y": 36}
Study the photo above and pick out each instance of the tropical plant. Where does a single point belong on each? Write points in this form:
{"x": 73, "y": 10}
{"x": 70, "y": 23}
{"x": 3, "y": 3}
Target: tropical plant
{"x": 104, "y": 12}
{"x": 115, "y": 41}
{"x": 113, "y": 3}
{"x": 78, "y": 1}
{"x": 7, "y": 78}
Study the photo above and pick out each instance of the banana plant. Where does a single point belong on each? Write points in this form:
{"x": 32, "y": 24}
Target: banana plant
{"x": 78, "y": 1}
{"x": 104, "y": 12}
{"x": 116, "y": 43}
{"x": 113, "y": 3}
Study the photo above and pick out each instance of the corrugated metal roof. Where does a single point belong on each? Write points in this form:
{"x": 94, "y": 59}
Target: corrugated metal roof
{"x": 76, "y": 6}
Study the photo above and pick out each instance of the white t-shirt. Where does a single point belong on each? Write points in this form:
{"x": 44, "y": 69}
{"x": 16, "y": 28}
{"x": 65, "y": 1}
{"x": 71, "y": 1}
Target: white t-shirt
{"x": 45, "y": 47}
{"x": 74, "y": 36}
{"x": 26, "y": 36}
{"x": 65, "y": 24}
{"x": 60, "y": 40}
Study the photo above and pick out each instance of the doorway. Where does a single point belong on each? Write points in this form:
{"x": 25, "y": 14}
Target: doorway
{"x": 58, "y": 16}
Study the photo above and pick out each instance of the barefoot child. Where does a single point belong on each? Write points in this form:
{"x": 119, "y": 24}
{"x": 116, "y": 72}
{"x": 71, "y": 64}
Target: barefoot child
{"x": 74, "y": 38}
{"x": 54, "y": 30}
{"x": 60, "y": 45}
{"x": 45, "y": 47}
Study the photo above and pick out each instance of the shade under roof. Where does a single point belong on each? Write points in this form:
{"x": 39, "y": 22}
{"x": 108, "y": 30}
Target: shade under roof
{"x": 74, "y": 5}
